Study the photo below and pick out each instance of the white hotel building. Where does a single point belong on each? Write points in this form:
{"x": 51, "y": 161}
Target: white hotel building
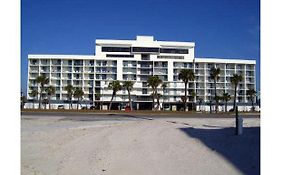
{"x": 136, "y": 60}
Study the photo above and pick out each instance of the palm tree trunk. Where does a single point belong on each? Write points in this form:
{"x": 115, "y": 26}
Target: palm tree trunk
{"x": 130, "y": 101}
{"x": 69, "y": 102}
{"x": 40, "y": 98}
{"x": 77, "y": 103}
{"x": 157, "y": 98}
{"x": 153, "y": 98}
{"x": 225, "y": 109}
{"x": 110, "y": 104}
{"x": 49, "y": 100}
{"x": 215, "y": 83}
{"x": 163, "y": 101}
{"x": 252, "y": 104}
{"x": 234, "y": 103}
{"x": 185, "y": 96}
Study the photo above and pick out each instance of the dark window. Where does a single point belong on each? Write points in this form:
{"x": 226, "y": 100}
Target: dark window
{"x": 97, "y": 83}
{"x": 144, "y": 84}
{"x": 120, "y": 56}
{"x": 145, "y": 49}
{"x": 179, "y": 51}
{"x": 116, "y": 49}
{"x": 144, "y": 91}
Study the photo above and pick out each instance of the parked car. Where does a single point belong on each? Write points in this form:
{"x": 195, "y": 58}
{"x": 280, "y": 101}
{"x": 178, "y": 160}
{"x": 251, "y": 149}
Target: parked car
{"x": 60, "y": 107}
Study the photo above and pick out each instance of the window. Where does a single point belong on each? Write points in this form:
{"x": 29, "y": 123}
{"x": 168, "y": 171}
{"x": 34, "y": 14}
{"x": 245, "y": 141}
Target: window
{"x": 171, "y": 50}
{"x": 120, "y": 56}
{"x": 57, "y": 96}
{"x": 116, "y": 49}
{"x": 171, "y": 57}
{"x": 97, "y": 83}
{"x": 144, "y": 84}
{"x": 144, "y": 91}
{"x": 145, "y": 49}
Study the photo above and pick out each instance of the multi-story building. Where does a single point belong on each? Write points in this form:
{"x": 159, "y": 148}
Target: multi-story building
{"x": 136, "y": 60}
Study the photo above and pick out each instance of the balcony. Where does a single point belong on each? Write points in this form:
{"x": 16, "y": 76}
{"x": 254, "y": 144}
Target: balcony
{"x": 56, "y": 63}
{"x": 33, "y": 63}
{"x": 145, "y": 72}
{"x": 160, "y": 65}
{"x": 161, "y": 72}
{"x": 34, "y": 71}
{"x": 45, "y": 71}
{"x": 145, "y": 66}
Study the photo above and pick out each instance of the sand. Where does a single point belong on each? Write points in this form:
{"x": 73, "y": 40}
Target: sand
{"x": 57, "y": 145}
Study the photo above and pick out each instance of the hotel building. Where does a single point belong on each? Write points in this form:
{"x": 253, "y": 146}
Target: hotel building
{"x": 136, "y": 60}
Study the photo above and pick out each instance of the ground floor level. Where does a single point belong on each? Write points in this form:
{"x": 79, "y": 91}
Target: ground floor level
{"x": 140, "y": 105}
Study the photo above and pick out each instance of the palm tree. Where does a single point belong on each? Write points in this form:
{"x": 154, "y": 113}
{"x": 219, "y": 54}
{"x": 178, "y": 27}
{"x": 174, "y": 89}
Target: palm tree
{"x": 23, "y": 100}
{"x": 50, "y": 90}
{"x": 78, "y": 93}
{"x": 33, "y": 94}
{"x": 215, "y": 75}
{"x": 45, "y": 102}
{"x": 200, "y": 103}
{"x": 193, "y": 95}
{"x": 252, "y": 93}
{"x": 235, "y": 79}
{"x": 69, "y": 88}
{"x": 41, "y": 81}
{"x": 115, "y": 86}
{"x": 217, "y": 100}
{"x": 226, "y": 97}
{"x": 97, "y": 97}
{"x": 128, "y": 85}
{"x": 186, "y": 75}
{"x": 154, "y": 82}
{"x": 164, "y": 86}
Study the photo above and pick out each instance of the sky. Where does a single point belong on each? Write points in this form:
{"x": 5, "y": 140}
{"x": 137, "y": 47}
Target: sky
{"x": 219, "y": 28}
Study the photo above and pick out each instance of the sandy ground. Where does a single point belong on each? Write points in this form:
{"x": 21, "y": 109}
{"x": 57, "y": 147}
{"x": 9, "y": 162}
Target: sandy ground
{"x": 69, "y": 146}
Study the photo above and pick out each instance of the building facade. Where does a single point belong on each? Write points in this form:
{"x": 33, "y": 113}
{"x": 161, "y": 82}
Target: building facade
{"x": 136, "y": 60}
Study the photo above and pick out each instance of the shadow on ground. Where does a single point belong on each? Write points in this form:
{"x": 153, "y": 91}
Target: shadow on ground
{"x": 242, "y": 151}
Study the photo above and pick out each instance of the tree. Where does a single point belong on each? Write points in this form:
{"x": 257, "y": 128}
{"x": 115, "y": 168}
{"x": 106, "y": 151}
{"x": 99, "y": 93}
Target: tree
{"x": 45, "y": 102}
{"x": 154, "y": 82}
{"x": 252, "y": 93}
{"x": 200, "y": 103}
{"x": 23, "y": 100}
{"x": 225, "y": 97}
{"x": 217, "y": 100}
{"x": 235, "y": 79}
{"x": 78, "y": 93}
{"x": 33, "y": 94}
{"x": 50, "y": 90}
{"x": 186, "y": 75}
{"x": 193, "y": 95}
{"x": 69, "y": 88}
{"x": 41, "y": 81}
{"x": 164, "y": 86}
{"x": 128, "y": 85}
{"x": 215, "y": 75}
{"x": 115, "y": 86}
{"x": 97, "y": 97}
